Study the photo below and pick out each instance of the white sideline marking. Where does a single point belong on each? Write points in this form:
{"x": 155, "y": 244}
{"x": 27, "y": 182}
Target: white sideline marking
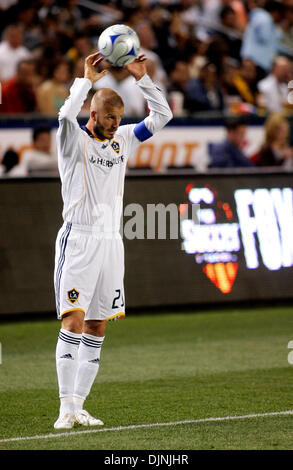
{"x": 150, "y": 425}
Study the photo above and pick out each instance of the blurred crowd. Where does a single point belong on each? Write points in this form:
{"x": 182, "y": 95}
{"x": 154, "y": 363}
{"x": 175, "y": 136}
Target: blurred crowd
{"x": 233, "y": 57}
{"x": 207, "y": 55}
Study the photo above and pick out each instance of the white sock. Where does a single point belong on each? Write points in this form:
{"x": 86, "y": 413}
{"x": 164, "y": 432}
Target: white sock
{"x": 78, "y": 403}
{"x": 66, "y": 365}
{"x": 88, "y": 365}
{"x": 66, "y": 405}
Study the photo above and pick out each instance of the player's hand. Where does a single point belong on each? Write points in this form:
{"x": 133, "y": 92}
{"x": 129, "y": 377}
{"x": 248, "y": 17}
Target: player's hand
{"x": 137, "y": 68}
{"x": 90, "y": 64}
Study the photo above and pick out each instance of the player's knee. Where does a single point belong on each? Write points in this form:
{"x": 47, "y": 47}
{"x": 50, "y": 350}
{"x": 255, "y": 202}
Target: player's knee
{"x": 95, "y": 327}
{"x": 73, "y": 321}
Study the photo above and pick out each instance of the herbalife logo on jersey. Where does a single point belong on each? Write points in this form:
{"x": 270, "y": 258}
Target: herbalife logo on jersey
{"x": 99, "y": 161}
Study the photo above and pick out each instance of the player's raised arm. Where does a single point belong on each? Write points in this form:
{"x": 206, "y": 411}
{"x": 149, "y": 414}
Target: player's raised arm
{"x": 67, "y": 135}
{"x": 160, "y": 112}
{"x": 81, "y": 87}
{"x": 90, "y": 67}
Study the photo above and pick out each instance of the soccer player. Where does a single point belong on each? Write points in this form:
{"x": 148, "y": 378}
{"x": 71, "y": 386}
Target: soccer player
{"x": 89, "y": 262}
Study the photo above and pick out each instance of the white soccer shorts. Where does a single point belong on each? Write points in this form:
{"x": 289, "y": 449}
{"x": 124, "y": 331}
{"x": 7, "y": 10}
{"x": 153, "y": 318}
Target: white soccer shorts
{"x": 89, "y": 272}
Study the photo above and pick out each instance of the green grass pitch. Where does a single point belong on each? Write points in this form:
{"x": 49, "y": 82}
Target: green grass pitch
{"x": 156, "y": 369}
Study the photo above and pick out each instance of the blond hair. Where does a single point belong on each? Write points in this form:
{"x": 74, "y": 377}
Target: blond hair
{"x": 272, "y": 127}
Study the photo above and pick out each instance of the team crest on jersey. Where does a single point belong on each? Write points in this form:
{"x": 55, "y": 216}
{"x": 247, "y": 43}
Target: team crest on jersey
{"x": 115, "y": 146}
{"x": 72, "y": 295}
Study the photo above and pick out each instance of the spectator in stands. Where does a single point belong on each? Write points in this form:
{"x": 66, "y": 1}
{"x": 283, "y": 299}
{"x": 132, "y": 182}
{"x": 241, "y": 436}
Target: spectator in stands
{"x": 9, "y": 160}
{"x": 37, "y": 158}
{"x": 81, "y": 49}
{"x": 216, "y": 51}
{"x": 52, "y": 93}
{"x": 46, "y": 8}
{"x": 210, "y": 18}
{"x": 57, "y": 40}
{"x": 70, "y": 17}
{"x": 175, "y": 35}
{"x": 241, "y": 13}
{"x": 274, "y": 88}
{"x": 229, "y": 31}
{"x": 275, "y": 150}
{"x": 287, "y": 26}
{"x": 246, "y": 81}
{"x": 167, "y": 47}
{"x": 54, "y": 46}
{"x": 261, "y": 40}
{"x": 239, "y": 83}
{"x": 230, "y": 70}
{"x": 32, "y": 33}
{"x": 178, "y": 80}
{"x": 180, "y": 34}
{"x": 147, "y": 44}
{"x": 204, "y": 93}
{"x": 191, "y": 12}
{"x": 228, "y": 18}
{"x": 12, "y": 51}
{"x": 19, "y": 93}
{"x": 179, "y": 77}
{"x": 229, "y": 153}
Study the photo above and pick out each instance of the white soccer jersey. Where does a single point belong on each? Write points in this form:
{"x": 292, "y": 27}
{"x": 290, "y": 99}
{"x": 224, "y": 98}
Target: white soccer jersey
{"x": 89, "y": 267}
{"x": 93, "y": 171}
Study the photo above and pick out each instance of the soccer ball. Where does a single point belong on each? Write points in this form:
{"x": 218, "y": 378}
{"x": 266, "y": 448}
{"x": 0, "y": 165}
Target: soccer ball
{"x": 119, "y": 45}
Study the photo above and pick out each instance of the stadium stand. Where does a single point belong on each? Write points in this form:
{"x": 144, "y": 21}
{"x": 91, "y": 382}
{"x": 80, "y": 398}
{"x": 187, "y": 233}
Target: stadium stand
{"x": 199, "y": 52}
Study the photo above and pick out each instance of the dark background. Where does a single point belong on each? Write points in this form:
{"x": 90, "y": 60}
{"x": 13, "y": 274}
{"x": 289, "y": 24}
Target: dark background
{"x": 158, "y": 272}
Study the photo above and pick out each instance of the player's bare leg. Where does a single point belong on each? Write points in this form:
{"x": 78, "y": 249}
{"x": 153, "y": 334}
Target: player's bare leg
{"x": 88, "y": 365}
{"x": 73, "y": 321}
{"x": 95, "y": 327}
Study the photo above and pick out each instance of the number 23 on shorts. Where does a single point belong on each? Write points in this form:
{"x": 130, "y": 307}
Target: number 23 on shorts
{"x": 118, "y": 300}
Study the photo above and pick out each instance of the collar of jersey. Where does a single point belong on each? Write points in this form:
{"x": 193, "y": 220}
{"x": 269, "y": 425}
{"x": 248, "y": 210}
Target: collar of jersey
{"x": 91, "y": 135}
